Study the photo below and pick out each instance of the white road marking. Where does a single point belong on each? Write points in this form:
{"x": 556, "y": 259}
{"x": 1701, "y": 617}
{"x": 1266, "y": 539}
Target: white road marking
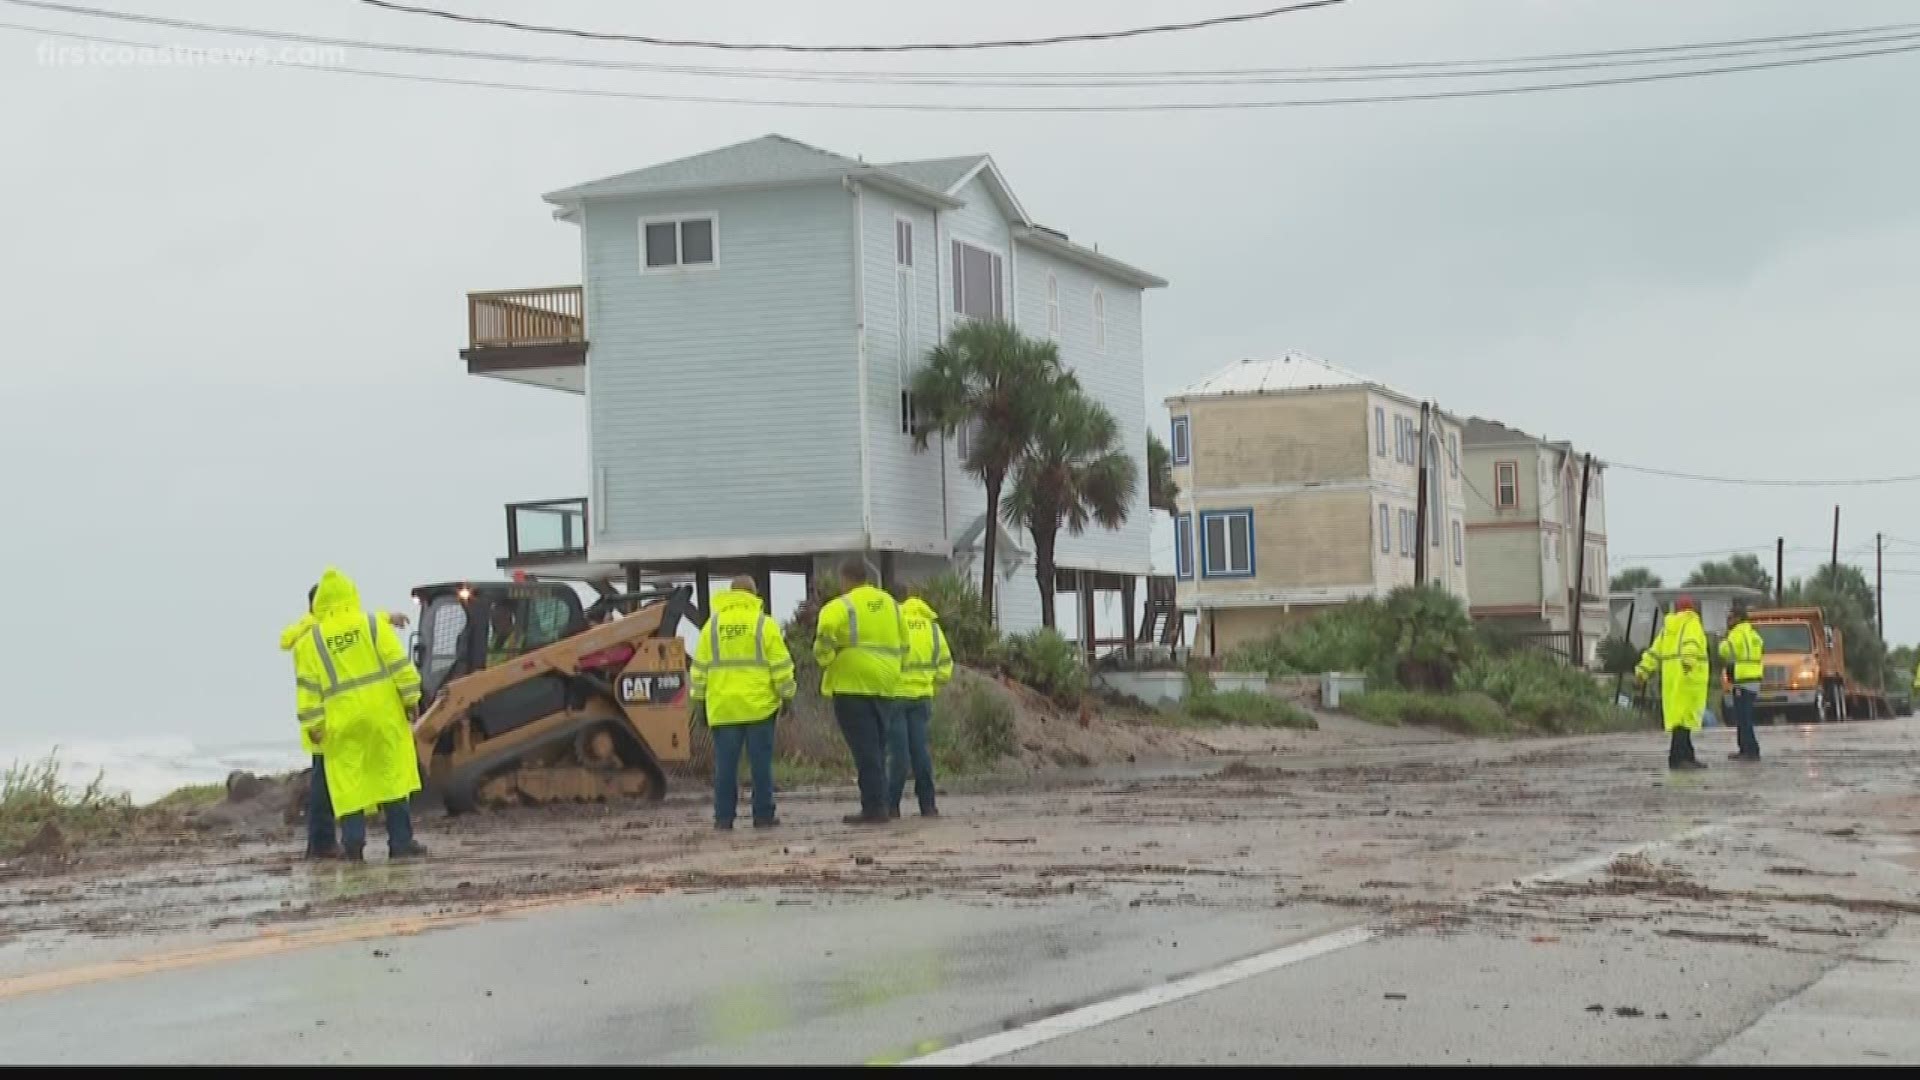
{"x": 999, "y": 1045}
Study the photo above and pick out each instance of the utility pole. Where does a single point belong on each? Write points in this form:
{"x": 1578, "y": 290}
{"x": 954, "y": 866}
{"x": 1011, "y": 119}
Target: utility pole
{"x": 1576, "y": 645}
{"x": 1834, "y": 566}
{"x": 1779, "y": 571}
{"x": 1420, "y": 502}
{"x": 1879, "y": 585}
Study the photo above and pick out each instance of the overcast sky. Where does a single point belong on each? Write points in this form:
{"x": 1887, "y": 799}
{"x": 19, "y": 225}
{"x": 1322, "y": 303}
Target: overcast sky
{"x": 235, "y": 297}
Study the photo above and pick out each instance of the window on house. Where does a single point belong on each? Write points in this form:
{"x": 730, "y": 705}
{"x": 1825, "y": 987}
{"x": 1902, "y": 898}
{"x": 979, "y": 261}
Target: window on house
{"x": 1183, "y": 546}
{"x": 1226, "y": 544}
{"x": 1406, "y": 532}
{"x": 1386, "y": 528}
{"x": 909, "y": 413}
{"x": 681, "y": 242}
{"x": 1380, "y": 430}
{"x": 902, "y": 242}
{"x": 1459, "y": 544}
{"x": 963, "y": 443}
{"x": 1506, "y": 485}
{"x": 1053, "y": 306}
{"x": 976, "y": 282}
{"x": 1453, "y": 455}
{"x": 1099, "y": 319}
{"x": 906, "y": 335}
{"x": 1182, "y": 449}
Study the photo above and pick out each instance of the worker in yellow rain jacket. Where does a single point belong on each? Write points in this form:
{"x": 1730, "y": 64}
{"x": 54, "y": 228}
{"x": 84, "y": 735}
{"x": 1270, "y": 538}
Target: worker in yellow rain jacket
{"x": 743, "y": 675}
{"x": 321, "y": 843}
{"x": 357, "y": 691}
{"x": 1742, "y": 650}
{"x": 927, "y": 666}
{"x": 1679, "y": 656}
{"x": 860, "y": 641}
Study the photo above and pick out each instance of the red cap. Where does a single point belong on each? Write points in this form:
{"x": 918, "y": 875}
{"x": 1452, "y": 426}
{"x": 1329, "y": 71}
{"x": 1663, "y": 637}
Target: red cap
{"x": 1685, "y": 603}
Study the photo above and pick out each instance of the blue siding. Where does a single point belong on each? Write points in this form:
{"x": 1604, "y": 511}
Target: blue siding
{"x": 722, "y": 401}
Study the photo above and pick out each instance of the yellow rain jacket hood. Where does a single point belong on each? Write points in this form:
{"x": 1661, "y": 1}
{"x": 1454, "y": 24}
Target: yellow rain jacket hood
{"x": 356, "y": 687}
{"x": 929, "y": 663}
{"x": 1679, "y": 656}
{"x": 741, "y": 668}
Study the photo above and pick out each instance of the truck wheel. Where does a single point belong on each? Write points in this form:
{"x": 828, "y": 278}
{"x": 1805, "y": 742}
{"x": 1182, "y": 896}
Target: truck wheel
{"x": 1825, "y": 709}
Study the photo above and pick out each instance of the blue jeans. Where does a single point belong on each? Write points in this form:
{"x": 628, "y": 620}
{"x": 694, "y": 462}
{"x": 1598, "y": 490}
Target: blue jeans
{"x": 353, "y": 829}
{"x": 863, "y": 723}
{"x": 320, "y": 839}
{"x": 1743, "y": 701}
{"x": 907, "y": 745}
{"x": 728, "y": 740}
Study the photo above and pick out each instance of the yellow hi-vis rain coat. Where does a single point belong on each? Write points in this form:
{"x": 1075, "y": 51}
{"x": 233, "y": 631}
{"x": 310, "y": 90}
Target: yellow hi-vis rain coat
{"x": 1743, "y": 650}
{"x": 1679, "y": 655}
{"x": 741, "y": 667}
{"x": 355, "y": 687}
{"x": 288, "y": 637}
{"x": 929, "y": 663}
{"x": 860, "y": 642}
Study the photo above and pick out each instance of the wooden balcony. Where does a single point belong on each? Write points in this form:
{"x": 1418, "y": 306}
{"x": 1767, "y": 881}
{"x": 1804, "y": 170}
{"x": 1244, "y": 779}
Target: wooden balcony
{"x": 534, "y": 336}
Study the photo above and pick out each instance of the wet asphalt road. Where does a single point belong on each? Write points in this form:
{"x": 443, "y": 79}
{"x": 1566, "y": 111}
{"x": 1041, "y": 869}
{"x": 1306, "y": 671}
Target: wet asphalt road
{"x": 1628, "y": 971}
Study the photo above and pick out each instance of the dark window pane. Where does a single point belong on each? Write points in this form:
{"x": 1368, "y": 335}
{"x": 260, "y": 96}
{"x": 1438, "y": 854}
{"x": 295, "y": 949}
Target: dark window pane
{"x": 979, "y": 283}
{"x": 696, "y": 241}
{"x": 660, "y": 245}
{"x": 1215, "y": 542}
{"x": 1242, "y": 555}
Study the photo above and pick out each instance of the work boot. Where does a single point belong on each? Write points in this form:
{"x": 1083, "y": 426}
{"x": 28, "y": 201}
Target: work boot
{"x": 723, "y": 826}
{"x": 1742, "y": 755}
{"x": 355, "y": 854}
{"x": 414, "y": 850}
{"x": 928, "y": 811}
{"x": 1690, "y": 764}
{"x": 865, "y": 819}
{"x": 766, "y": 823}
{"x": 893, "y": 813}
{"x": 327, "y": 854}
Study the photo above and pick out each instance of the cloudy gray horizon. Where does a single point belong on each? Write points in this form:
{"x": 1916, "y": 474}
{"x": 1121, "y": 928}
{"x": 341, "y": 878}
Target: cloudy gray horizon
{"x": 236, "y": 296}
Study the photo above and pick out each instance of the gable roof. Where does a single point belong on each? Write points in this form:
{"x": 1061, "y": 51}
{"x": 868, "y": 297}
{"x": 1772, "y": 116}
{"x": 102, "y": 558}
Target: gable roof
{"x": 940, "y": 174}
{"x": 768, "y": 161}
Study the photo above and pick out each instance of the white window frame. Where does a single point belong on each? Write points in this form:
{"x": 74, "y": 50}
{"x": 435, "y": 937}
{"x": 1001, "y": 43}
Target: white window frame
{"x": 1459, "y": 543}
{"x": 1405, "y": 531}
{"x": 1500, "y": 501}
{"x": 1380, "y": 429}
{"x": 902, "y": 241}
{"x": 959, "y": 278}
{"x": 1386, "y": 529}
{"x": 1183, "y": 547}
{"x": 712, "y": 217}
{"x": 1206, "y": 549}
{"x": 1181, "y": 435}
{"x": 1053, "y": 306}
{"x": 907, "y": 340}
{"x": 1099, "y": 320}
{"x": 1453, "y": 454}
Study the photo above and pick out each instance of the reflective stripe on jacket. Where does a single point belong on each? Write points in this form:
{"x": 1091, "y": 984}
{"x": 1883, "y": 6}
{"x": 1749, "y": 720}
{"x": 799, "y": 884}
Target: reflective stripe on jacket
{"x": 741, "y": 667}
{"x": 1744, "y": 648}
{"x": 1679, "y": 656}
{"x": 355, "y": 687}
{"x": 928, "y": 664}
{"x": 859, "y": 643}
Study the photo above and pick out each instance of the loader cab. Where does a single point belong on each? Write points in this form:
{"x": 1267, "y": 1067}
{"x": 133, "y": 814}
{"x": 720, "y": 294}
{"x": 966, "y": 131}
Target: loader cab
{"x": 467, "y": 626}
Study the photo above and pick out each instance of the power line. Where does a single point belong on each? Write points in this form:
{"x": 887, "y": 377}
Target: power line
{"x": 947, "y": 107}
{"x": 1764, "y": 482}
{"x": 925, "y": 46}
{"x": 1034, "y": 80}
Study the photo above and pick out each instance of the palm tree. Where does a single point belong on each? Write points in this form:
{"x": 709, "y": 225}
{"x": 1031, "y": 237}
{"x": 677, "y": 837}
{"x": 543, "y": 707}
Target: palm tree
{"x": 986, "y": 378}
{"x": 1162, "y": 493}
{"x": 1075, "y": 473}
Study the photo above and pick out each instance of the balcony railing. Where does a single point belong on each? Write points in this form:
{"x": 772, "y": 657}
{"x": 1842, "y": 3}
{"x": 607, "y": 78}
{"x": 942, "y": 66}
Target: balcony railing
{"x": 548, "y": 528}
{"x": 550, "y": 316}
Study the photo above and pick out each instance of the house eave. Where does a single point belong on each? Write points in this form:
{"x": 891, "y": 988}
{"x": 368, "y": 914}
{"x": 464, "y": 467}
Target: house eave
{"x": 1092, "y": 260}
{"x": 569, "y": 200}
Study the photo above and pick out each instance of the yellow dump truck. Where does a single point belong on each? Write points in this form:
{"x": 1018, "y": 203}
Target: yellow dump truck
{"x": 1805, "y": 671}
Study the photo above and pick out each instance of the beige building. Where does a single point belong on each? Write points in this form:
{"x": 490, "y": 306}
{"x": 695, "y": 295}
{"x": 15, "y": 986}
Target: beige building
{"x": 1299, "y": 483}
{"x": 1523, "y": 525}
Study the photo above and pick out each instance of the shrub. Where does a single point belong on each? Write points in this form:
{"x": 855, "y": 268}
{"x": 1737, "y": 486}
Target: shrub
{"x": 1618, "y": 655}
{"x": 1466, "y": 713}
{"x": 1250, "y": 708}
{"x": 1432, "y": 636}
{"x": 963, "y": 617}
{"x": 32, "y": 797}
{"x": 972, "y": 728}
{"x": 1049, "y": 663}
{"x": 1352, "y": 637}
{"x": 1540, "y": 692}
